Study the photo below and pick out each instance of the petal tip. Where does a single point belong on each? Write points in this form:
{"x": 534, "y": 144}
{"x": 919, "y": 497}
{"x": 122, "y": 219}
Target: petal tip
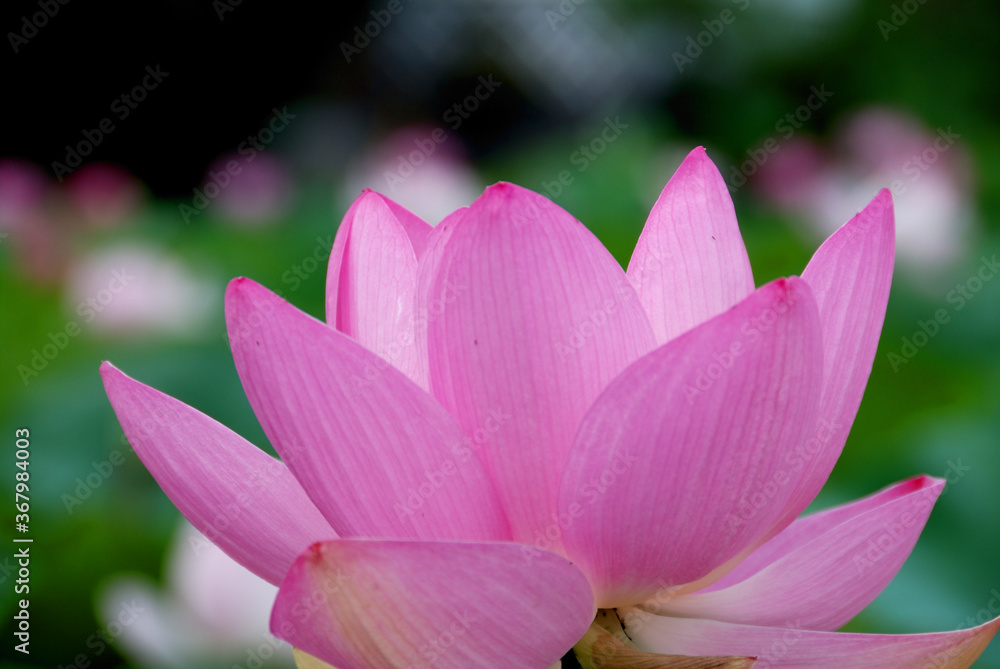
{"x": 111, "y": 376}
{"x": 505, "y": 201}
{"x": 698, "y": 152}
{"x": 790, "y": 286}
{"x": 244, "y": 288}
{"x": 879, "y": 213}
{"x": 236, "y": 285}
{"x": 927, "y": 480}
{"x": 697, "y": 158}
{"x": 501, "y": 190}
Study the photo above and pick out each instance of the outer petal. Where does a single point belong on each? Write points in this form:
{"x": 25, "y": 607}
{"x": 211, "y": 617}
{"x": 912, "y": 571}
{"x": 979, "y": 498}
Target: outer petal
{"x": 791, "y": 648}
{"x": 683, "y": 437}
{"x": 404, "y": 604}
{"x": 824, "y": 569}
{"x": 372, "y": 278}
{"x": 532, "y": 318}
{"x": 377, "y": 454}
{"x": 241, "y": 498}
{"x": 690, "y": 262}
{"x": 850, "y": 275}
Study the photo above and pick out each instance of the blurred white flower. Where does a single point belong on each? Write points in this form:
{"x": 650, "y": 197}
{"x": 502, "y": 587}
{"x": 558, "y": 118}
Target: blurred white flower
{"x": 139, "y": 289}
{"x": 212, "y": 612}
{"x": 926, "y": 170}
{"x": 422, "y": 168}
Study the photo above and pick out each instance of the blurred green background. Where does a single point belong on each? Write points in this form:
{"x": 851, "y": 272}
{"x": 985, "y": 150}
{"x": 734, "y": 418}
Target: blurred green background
{"x": 806, "y": 107}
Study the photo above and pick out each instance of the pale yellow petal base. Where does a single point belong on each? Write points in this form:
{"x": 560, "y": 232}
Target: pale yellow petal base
{"x": 306, "y": 661}
{"x": 606, "y": 646}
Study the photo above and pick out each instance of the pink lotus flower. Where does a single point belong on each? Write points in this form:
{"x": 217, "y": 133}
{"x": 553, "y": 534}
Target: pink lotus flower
{"x": 499, "y": 434}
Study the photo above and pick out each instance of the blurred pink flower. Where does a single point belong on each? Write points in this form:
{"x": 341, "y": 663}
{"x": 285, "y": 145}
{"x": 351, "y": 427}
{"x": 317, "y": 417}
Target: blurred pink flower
{"x": 212, "y": 612}
{"x": 23, "y": 188}
{"x": 104, "y": 195}
{"x": 926, "y": 170}
{"x": 498, "y": 434}
{"x": 43, "y": 221}
{"x": 252, "y": 191}
{"x": 38, "y": 246}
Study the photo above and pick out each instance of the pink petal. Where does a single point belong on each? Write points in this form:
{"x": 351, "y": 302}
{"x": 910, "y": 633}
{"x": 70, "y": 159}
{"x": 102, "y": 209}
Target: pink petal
{"x": 850, "y": 275}
{"x": 532, "y": 317}
{"x": 242, "y": 499}
{"x": 683, "y": 437}
{"x": 788, "y": 647}
{"x": 372, "y": 279}
{"x": 417, "y": 229}
{"x": 823, "y": 569}
{"x": 377, "y": 604}
{"x": 377, "y": 454}
{"x": 690, "y": 263}
{"x": 429, "y": 305}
